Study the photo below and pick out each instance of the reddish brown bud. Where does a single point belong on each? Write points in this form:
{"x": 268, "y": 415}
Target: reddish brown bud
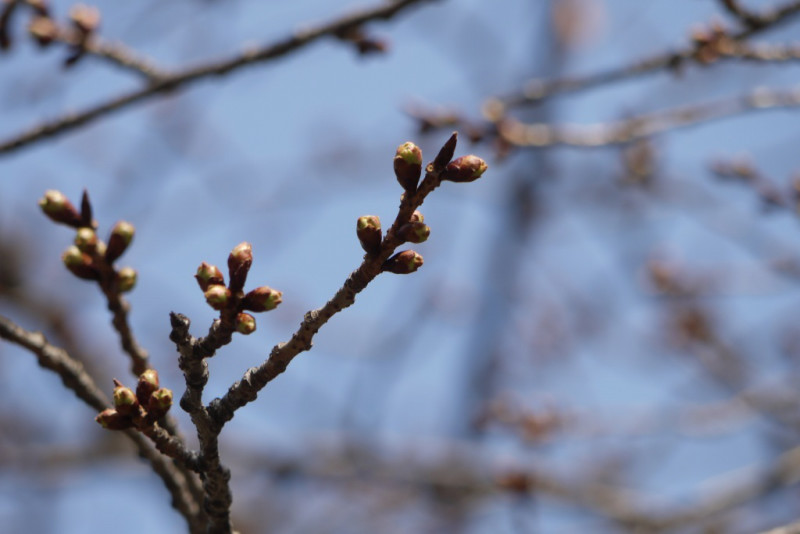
{"x": 245, "y": 324}
{"x": 209, "y": 275}
{"x": 415, "y": 232}
{"x": 417, "y": 217}
{"x": 239, "y": 262}
{"x": 86, "y": 211}
{"x": 159, "y": 403}
{"x": 405, "y": 262}
{"x": 446, "y": 153}
{"x": 126, "y": 279}
{"x": 85, "y": 18}
{"x": 368, "y": 229}
{"x": 262, "y": 299}
{"x": 465, "y": 169}
{"x": 121, "y": 237}
{"x": 113, "y": 420}
{"x": 80, "y": 264}
{"x": 148, "y": 383}
{"x": 56, "y": 206}
{"x": 408, "y": 166}
{"x": 43, "y": 30}
{"x": 217, "y": 296}
{"x": 125, "y": 400}
{"x": 86, "y": 240}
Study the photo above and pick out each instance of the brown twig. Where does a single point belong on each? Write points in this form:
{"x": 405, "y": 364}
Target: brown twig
{"x": 515, "y": 133}
{"x": 748, "y": 18}
{"x": 246, "y": 389}
{"x": 210, "y": 419}
{"x": 181, "y": 79}
{"x": 538, "y": 90}
{"x": 79, "y": 382}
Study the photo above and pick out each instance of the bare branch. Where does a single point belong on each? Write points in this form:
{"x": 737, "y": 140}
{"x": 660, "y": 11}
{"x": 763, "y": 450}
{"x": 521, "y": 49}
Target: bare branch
{"x": 79, "y": 382}
{"x": 537, "y": 90}
{"x": 179, "y": 80}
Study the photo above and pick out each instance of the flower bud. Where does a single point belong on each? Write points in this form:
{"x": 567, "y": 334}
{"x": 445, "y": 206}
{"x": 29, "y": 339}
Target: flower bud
{"x": 126, "y": 279}
{"x": 417, "y": 217}
{"x": 56, "y": 206}
{"x": 408, "y": 166}
{"x": 113, "y": 420}
{"x": 445, "y": 154}
{"x": 239, "y": 262}
{"x": 368, "y": 229}
{"x": 209, "y": 275}
{"x": 159, "y": 403}
{"x": 85, "y": 18}
{"x": 121, "y": 237}
{"x": 245, "y": 324}
{"x": 465, "y": 169}
{"x": 405, "y": 262}
{"x": 262, "y": 299}
{"x": 80, "y": 264}
{"x": 148, "y": 383}
{"x": 217, "y": 296}
{"x": 125, "y": 400}
{"x": 415, "y": 232}
{"x": 86, "y": 240}
{"x": 43, "y": 30}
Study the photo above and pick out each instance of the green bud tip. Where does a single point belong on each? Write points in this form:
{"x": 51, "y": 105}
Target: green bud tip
{"x": 85, "y": 238}
{"x": 113, "y": 420}
{"x": 465, "y": 169}
{"x": 405, "y": 262}
{"x": 208, "y": 275}
{"x": 217, "y": 296}
{"x": 124, "y": 396}
{"x": 126, "y": 279}
{"x": 149, "y": 376}
{"x": 53, "y": 201}
{"x": 242, "y": 252}
{"x": 415, "y": 232}
{"x": 161, "y": 399}
{"x": 410, "y": 153}
{"x": 262, "y": 299}
{"x": 72, "y": 256}
{"x": 124, "y": 230}
{"x": 368, "y": 221}
{"x": 245, "y": 323}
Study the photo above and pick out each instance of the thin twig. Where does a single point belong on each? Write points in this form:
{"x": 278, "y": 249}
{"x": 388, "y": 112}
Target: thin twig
{"x": 749, "y": 18}
{"x": 515, "y": 133}
{"x": 246, "y": 389}
{"x": 181, "y": 79}
{"x": 538, "y": 90}
{"x": 79, "y": 382}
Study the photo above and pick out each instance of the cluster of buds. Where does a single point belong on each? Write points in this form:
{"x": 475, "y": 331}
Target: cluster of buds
{"x": 90, "y": 258}
{"x": 368, "y": 230}
{"x": 85, "y": 21}
{"x": 711, "y": 42}
{"x": 408, "y": 171}
{"x": 231, "y": 300}
{"x": 408, "y": 165}
{"x": 139, "y": 409}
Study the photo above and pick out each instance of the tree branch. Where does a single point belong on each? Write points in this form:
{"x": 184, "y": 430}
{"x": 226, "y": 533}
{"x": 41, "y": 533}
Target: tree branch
{"x": 181, "y": 79}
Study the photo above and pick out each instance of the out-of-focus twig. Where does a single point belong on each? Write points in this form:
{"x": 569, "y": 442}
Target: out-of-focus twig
{"x": 511, "y": 132}
{"x": 181, "y": 79}
{"x": 539, "y": 90}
